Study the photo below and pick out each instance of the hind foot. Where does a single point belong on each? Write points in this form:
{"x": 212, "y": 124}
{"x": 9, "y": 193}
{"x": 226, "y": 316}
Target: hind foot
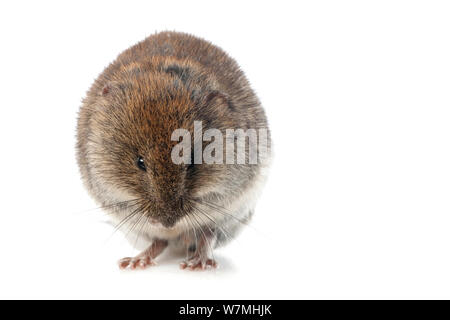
{"x": 145, "y": 258}
{"x": 197, "y": 262}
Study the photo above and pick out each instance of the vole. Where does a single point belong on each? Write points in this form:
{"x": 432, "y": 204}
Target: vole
{"x": 125, "y": 146}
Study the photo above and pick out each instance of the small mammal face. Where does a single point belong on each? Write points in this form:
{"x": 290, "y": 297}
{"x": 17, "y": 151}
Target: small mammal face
{"x": 130, "y": 152}
{"x": 168, "y": 82}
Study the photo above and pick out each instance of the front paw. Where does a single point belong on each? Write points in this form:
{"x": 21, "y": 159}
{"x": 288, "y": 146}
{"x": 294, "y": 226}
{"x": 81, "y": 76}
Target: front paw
{"x": 136, "y": 262}
{"x": 197, "y": 262}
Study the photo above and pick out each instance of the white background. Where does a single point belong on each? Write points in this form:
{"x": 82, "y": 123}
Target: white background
{"x": 357, "y": 95}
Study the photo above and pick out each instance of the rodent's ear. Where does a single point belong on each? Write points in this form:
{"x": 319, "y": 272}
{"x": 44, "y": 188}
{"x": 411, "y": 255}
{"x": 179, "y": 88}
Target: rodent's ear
{"x": 108, "y": 88}
{"x": 216, "y": 99}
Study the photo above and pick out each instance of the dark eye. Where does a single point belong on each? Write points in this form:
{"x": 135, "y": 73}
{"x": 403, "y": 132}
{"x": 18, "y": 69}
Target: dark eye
{"x": 141, "y": 164}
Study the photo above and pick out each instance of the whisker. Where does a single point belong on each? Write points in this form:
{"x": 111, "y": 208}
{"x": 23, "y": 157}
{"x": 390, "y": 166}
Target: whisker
{"x": 208, "y": 242}
{"x": 117, "y": 204}
{"x": 194, "y": 231}
{"x": 190, "y": 226}
{"x": 221, "y": 210}
{"x": 205, "y": 238}
{"x": 221, "y": 228}
{"x": 135, "y": 224}
{"x": 127, "y": 218}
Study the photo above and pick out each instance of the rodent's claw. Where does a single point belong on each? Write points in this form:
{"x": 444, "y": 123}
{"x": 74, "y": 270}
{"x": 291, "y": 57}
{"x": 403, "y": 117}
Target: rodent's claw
{"x": 136, "y": 263}
{"x": 198, "y": 263}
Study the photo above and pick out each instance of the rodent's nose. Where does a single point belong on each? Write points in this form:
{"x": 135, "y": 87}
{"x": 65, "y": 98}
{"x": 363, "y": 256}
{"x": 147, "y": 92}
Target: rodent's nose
{"x": 169, "y": 221}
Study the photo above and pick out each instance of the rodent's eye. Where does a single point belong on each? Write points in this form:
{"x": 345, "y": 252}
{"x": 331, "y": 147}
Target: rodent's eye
{"x": 141, "y": 164}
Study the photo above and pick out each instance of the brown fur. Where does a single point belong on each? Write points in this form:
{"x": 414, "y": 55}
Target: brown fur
{"x": 163, "y": 83}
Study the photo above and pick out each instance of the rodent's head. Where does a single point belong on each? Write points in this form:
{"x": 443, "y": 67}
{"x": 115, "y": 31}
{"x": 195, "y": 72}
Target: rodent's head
{"x": 129, "y": 146}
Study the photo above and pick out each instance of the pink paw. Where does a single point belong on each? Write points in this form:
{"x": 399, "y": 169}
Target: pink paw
{"x": 136, "y": 263}
{"x": 198, "y": 263}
